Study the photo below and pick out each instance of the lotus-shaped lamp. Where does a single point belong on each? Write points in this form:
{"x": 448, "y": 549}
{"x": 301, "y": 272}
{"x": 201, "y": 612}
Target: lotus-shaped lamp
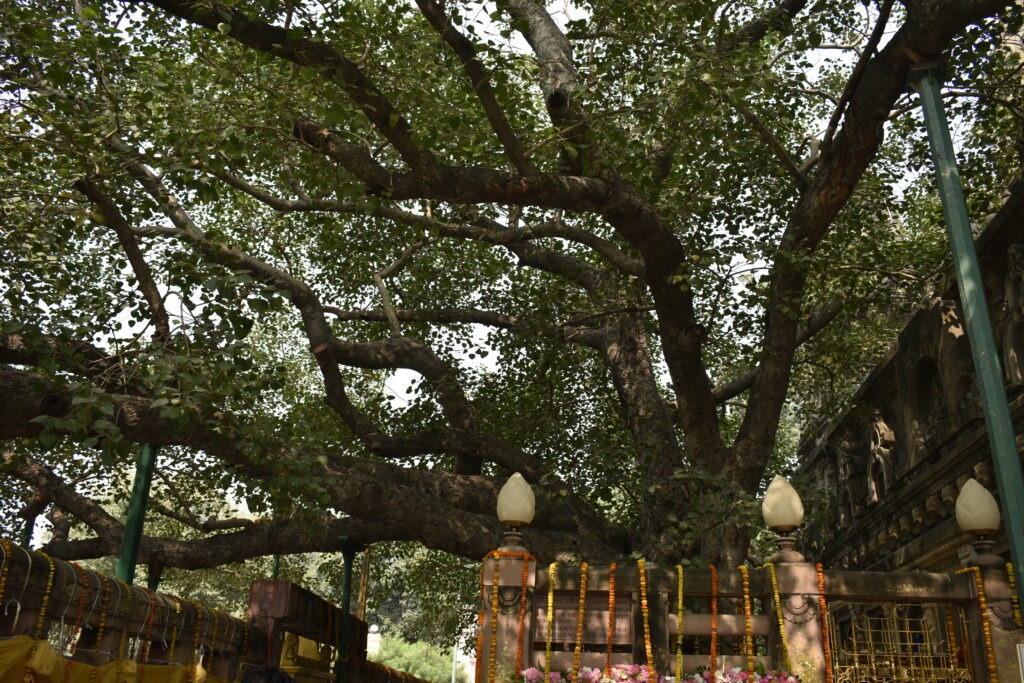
{"x": 782, "y": 508}
{"x": 976, "y": 509}
{"x": 516, "y": 502}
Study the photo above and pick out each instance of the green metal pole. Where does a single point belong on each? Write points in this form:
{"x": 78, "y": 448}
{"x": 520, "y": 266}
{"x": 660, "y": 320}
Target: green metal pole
{"x": 927, "y": 80}
{"x": 276, "y": 571}
{"x": 136, "y": 513}
{"x": 26, "y": 533}
{"x": 348, "y": 551}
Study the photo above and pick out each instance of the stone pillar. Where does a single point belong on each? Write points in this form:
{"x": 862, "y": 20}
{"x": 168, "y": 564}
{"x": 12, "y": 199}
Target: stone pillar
{"x": 798, "y": 592}
{"x": 509, "y": 560}
{"x": 1002, "y": 626}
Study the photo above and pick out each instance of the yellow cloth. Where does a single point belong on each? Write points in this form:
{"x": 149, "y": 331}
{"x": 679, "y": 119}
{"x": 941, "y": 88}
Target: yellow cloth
{"x": 22, "y": 655}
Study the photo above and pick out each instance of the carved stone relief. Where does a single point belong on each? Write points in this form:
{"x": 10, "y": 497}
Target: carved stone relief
{"x": 1012, "y": 316}
{"x": 880, "y": 477}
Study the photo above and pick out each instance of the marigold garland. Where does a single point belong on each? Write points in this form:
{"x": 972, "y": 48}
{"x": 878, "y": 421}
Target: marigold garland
{"x": 80, "y": 609}
{"x": 713, "y": 654}
{"x": 243, "y": 650}
{"x": 195, "y": 641}
{"x": 647, "y": 619}
{"x": 954, "y": 651}
{"x": 38, "y": 633}
{"x": 492, "y": 656}
{"x": 177, "y": 629}
{"x": 150, "y": 618}
{"x": 787, "y": 664}
{"x": 552, "y": 569}
{"x": 1014, "y": 597}
{"x": 526, "y": 557}
{"x": 479, "y": 639}
{"x": 579, "y": 622}
{"x": 679, "y": 620}
{"x": 128, "y": 613}
{"x": 104, "y": 601}
{"x": 986, "y": 627}
{"x": 72, "y": 641}
{"x": 824, "y": 623}
{"x": 611, "y": 620}
{"x": 8, "y": 559}
{"x": 748, "y": 631}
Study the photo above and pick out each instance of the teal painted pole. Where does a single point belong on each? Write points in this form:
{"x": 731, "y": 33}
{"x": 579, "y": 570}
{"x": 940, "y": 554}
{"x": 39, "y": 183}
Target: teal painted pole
{"x": 276, "y": 571}
{"x": 927, "y": 80}
{"x": 348, "y": 551}
{"x": 136, "y": 513}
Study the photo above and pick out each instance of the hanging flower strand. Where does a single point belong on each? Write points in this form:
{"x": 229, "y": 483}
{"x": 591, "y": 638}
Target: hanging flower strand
{"x": 786, "y": 662}
{"x": 713, "y": 655}
{"x": 986, "y": 627}
{"x": 552, "y": 570}
{"x": 611, "y": 620}
{"x": 748, "y": 631}
{"x": 647, "y": 620}
{"x": 679, "y": 620}
{"x": 1014, "y": 596}
{"x": 824, "y": 623}
{"x": 579, "y": 622}
{"x": 492, "y": 659}
{"x": 526, "y": 557}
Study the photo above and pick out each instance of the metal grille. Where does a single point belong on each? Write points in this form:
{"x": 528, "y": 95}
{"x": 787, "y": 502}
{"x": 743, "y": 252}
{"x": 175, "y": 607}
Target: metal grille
{"x": 893, "y": 642}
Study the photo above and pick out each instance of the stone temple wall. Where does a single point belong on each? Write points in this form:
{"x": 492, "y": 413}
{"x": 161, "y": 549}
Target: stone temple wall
{"x": 894, "y": 461}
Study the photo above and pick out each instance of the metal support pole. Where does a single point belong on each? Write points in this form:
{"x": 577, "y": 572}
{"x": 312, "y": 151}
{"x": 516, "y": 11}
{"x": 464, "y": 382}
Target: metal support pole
{"x": 26, "y": 533}
{"x": 276, "y": 571}
{"x": 348, "y": 552}
{"x": 136, "y": 513}
{"x": 927, "y": 80}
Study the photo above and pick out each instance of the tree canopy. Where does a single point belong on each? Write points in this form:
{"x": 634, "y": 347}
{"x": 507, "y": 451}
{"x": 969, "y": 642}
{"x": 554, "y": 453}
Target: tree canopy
{"x": 354, "y": 263}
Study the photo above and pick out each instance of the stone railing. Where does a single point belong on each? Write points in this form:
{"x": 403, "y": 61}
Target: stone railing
{"x": 760, "y": 620}
{"x": 67, "y": 617}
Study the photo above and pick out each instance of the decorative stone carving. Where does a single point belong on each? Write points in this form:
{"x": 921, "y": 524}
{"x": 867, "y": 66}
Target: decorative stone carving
{"x": 1013, "y": 316}
{"x": 880, "y": 477}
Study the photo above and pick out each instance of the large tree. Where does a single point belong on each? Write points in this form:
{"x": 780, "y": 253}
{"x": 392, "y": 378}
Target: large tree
{"x": 600, "y": 243}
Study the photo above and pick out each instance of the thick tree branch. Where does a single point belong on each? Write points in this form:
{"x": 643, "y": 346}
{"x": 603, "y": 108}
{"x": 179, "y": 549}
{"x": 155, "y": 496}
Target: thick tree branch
{"x": 930, "y": 25}
{"x": 330, "y": 63}
{"x": 778, "y": 18}
{"x": 787, "y": 161}
{"x": 817, "y": 322}
{"x": 858, "y": 71}
{"x": 111, "y": 216}
{"x": 480, "y": 80}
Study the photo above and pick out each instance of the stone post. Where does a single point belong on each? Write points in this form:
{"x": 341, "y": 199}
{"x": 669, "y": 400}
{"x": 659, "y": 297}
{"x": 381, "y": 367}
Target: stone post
{"x": 1003, "y": 629}
{"x": 508, "y": 561}
{"x": 798, "y": 592}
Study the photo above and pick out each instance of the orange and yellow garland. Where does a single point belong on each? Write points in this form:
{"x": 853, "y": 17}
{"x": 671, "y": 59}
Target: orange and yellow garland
{"x": 713, "y": 654}
{"x": 492, "y": 658}
{"x": 1014, "y": 597}
{"x": 647, "y": 619}
{"x": 611, "y": 620}
{"x": 748, "y": 631}
{"x": 679, "y": 615}
{"x": 526, "y": 557}
{"x": 579, "y": 622}
{"x": 492, "y": 654}
{"x": 552, "y": 571}
{"x": 951, "y": 635}
{"x": 986, "y": 627}
{"x": 786, "y": 663}
{"x": 824, "y": 623}
{"x": 8, "y": 559}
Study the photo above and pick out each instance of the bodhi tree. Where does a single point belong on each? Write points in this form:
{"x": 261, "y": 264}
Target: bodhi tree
{"x": 354, "y": 263}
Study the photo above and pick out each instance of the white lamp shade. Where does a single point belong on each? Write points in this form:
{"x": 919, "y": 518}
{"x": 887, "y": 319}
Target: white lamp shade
{"x": 516, "y": 502}
{"x": 976, "y": 509}
{"x": 782, "y": 508}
